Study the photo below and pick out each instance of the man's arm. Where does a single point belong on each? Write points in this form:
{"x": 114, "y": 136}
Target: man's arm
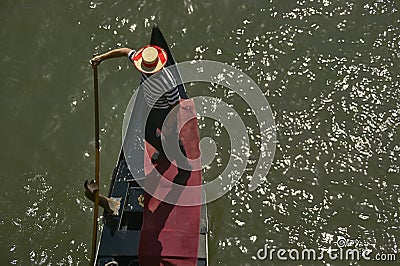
{"x": 111, "y": 54}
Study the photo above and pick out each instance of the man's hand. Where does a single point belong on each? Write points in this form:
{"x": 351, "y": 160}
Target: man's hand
{"x": 95, "y": 61}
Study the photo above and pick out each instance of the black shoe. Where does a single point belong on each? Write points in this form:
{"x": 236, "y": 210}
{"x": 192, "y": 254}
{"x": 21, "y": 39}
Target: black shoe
{"x": 182, "y": 177}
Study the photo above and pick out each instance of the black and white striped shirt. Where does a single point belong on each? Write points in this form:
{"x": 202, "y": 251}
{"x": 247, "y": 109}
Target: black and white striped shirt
{"x": 160, "y": 89}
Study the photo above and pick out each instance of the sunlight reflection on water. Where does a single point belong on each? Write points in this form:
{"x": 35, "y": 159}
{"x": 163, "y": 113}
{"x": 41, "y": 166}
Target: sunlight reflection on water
{"x": 326, "y": 67}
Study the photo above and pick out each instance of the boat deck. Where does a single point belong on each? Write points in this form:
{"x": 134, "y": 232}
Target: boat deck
{"x": 120, "y": 236}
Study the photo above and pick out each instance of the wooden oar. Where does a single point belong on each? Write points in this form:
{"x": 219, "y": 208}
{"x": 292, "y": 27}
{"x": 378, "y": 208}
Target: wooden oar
{"x": 97, "y": 161}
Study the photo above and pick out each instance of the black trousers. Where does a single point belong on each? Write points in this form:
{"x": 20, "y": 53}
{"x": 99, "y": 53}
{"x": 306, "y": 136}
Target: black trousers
{"x": 154, "y": 123}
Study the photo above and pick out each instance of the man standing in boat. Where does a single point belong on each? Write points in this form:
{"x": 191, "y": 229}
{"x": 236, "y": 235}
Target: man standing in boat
{"x": 160, "y": 92}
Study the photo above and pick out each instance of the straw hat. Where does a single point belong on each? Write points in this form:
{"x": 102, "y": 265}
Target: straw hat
{"x": 150, "y": 59}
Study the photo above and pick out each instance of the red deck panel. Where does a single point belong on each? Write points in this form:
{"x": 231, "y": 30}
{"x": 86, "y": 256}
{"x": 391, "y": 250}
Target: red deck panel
{"x": 170, "y": 233}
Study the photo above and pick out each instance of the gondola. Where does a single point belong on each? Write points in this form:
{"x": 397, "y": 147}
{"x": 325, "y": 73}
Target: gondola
{"x": 126, "y": 238}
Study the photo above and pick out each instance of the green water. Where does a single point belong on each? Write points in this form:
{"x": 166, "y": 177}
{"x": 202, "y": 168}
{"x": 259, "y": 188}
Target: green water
{"x": 329, "y": 70}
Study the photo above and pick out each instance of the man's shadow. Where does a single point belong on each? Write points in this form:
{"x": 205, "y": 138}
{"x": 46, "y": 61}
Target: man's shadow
{"x": 160, "y": 215}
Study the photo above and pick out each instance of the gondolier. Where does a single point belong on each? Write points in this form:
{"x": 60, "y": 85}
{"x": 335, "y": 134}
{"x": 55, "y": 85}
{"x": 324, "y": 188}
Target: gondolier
{"x": 160, "y": 92}
{"x": 147, "y": 229}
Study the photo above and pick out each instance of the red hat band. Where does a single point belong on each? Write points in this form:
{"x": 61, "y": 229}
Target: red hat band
{"x": 150, "y": 67}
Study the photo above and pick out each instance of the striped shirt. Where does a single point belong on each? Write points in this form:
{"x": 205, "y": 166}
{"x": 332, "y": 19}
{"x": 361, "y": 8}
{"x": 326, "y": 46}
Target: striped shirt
{"x": 160, "y": 89}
